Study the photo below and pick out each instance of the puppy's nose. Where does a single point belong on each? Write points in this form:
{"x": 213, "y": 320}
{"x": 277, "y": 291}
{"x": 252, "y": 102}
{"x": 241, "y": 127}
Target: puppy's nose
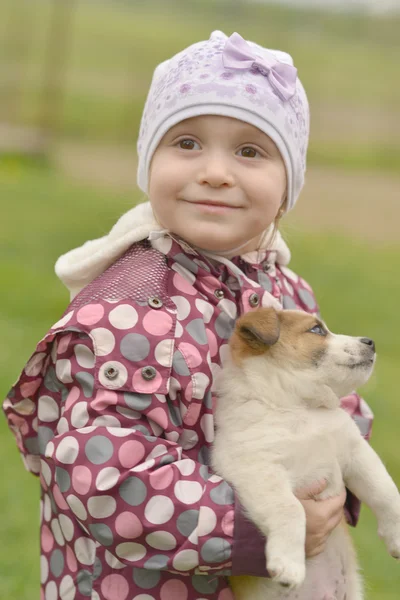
{"x": 368, "y": 342}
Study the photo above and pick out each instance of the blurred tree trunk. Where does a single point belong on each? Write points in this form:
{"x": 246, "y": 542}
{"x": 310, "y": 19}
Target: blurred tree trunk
{"x": 58, "y": 43}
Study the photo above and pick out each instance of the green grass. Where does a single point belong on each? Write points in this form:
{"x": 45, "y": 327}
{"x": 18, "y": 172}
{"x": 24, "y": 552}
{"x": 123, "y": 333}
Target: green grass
{"x": 357, "y": 287}
{"x": 113, "y": 47}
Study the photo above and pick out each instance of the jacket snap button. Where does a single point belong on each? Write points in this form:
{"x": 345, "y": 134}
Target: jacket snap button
{"x": 155, "y": 302}
{"x": 149, "y": 373}
{"x": 266, "y": 267}
{"x": 254, "y": 300}
{"x": 111, "y": 373}
{"x": 219, "y": 294}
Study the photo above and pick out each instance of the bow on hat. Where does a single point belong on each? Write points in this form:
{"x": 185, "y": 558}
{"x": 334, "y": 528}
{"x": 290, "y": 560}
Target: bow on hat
{"x": 238, "y": 55}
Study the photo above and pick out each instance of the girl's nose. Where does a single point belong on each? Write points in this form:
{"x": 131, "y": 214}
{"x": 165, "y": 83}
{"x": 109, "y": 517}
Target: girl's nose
{"x": 216, "y": 172}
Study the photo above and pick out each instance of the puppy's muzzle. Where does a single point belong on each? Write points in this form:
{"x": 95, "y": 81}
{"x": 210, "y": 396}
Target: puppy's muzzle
{"x": 368, "y": 342}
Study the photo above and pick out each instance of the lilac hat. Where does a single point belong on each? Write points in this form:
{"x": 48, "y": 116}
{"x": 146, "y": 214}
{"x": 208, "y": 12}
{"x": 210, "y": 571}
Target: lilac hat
{"x": 233, "y": 78}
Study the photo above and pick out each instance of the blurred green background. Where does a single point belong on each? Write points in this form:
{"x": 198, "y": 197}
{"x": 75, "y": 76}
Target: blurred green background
{"x": 73, "y": 79}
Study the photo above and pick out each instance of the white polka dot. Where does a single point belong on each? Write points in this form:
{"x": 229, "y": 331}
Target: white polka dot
{"x": 164, "y": 352}
{"x": 224, "y": 353}
{"x": 228, "y": 307}
{"x": 159, "y": 510}
{"x": 155, "y": 428}
{"x": 63, "y": 321}
{"x": 104, "y": 341}
{"x": 121, "y": 374}
{"x": 44, "y": 569}
{"x": 172, "y": 436}
{"x": 206, "y": 309}
{"x": 185, "y": 560}
{"x": 158, "y": 450}
{"x": 200, "y": 382}
{"x": 188, "y": 492}
{"x": 84, "y": 356}
{"x": 49, "y": 450}
{"x": 50, "y": 592}
{"x": 183, "y": 307}
{"x": 194, "y": 537}
{"x": 289, "y": 287}
{"x": 46, "y": 472}
{"x": 77, "y": 507}
{"x": 87, "y": 430}
{"x": 107, "y": 478}
{"x": 34, "y": 365}
{"x": 186, "y": 466}
{"x": 62, "y": 426}
{"x": 216, "y": 370}
{"x": 48, "y": 410}
{"x": 268, "y": 300}
{"x": 123, "y": 317}
{"x": 67, "y": 450}
{"x": 161, "y": 540}
{"x": 79, "y": 414}
{"x": 67, "y": 527}
{"x": 130, "y": 551}
{"x": 112, "y": 561}
{"x": 106, "y": 421}
{"x": 101, "y": 507}
{"x": 178, "y": 330}
{"x": 85, "y": 550}
{"x": 63, "y": 370}
{"x": 207, "y": 521}
{"x": 174, "y": 386}
{"x": 67, "y": 588}
{"x": 47, "y": 512}
{"x": 207, "y": 426}
{"x": 144, "y": 466}
{"x": 147, "y": 597}
{"x": 161, "y": 398}
{"x": 56, "y": 529}
{"x": 215, "y": 479}
{"x": 288, "y": 273}
{"x": 119, "y": 432}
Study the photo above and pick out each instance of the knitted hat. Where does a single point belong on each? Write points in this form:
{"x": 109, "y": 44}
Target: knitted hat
{"x": 233, "y": 78}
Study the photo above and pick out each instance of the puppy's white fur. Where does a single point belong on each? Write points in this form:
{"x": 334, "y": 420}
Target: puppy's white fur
{"x": 280, "y": 428}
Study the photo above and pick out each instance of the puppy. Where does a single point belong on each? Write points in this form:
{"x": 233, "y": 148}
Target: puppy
{"x": 279, "y": 428}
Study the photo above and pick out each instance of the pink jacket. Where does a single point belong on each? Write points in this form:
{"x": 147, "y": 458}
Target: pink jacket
{"x": 114, "y": 412}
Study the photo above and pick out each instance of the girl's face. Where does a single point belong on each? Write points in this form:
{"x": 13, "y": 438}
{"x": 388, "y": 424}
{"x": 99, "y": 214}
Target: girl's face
{"x": 217, "y": 183}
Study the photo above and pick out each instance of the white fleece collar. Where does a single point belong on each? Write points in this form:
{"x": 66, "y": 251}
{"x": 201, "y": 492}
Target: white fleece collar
{"x": 80, "y": 266}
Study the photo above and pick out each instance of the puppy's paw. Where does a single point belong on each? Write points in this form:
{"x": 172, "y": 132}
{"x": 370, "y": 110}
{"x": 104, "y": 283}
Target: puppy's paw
{"x": 287, "y": 572}
{"x": 391, "y": 537}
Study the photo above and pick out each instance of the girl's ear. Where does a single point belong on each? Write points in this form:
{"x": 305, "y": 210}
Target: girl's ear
{"x": 259, "y": 329}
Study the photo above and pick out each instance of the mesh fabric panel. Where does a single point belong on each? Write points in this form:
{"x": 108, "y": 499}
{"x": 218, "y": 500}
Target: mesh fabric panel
{"x": 139, "y": 274}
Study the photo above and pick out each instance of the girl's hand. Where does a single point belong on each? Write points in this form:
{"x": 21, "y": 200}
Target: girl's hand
{"x": 322, "y": 516}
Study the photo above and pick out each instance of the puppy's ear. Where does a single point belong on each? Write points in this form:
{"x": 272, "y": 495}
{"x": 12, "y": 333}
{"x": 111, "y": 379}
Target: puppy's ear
{"x": 259, "y": 329}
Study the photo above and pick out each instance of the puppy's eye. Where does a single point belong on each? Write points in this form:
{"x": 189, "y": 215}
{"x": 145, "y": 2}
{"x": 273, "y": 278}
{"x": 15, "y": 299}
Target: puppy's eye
{"x": 318, "y": 329}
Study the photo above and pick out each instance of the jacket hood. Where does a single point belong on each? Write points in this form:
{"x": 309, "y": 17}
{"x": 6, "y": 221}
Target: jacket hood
{"x": 78, "y": 267}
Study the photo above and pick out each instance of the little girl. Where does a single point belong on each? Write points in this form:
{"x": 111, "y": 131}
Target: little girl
{"x": 114, "y": 410}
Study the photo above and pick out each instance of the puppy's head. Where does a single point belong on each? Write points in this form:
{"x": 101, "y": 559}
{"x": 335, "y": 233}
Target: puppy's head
{"x": 302, "y": 346}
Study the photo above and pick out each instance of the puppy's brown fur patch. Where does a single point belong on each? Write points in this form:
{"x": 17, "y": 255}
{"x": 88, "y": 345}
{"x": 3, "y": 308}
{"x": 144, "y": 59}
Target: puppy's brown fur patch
{"x": 284, "y": 335}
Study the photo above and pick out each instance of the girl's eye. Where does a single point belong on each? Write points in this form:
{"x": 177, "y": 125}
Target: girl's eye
{"x": 188, "y": 144}
{"x": 318, "y": 329}
{"x": 248, "y": 152}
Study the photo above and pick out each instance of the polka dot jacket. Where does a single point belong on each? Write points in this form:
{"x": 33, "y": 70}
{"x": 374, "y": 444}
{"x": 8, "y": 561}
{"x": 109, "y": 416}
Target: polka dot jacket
{"x": 114, "y": 413}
